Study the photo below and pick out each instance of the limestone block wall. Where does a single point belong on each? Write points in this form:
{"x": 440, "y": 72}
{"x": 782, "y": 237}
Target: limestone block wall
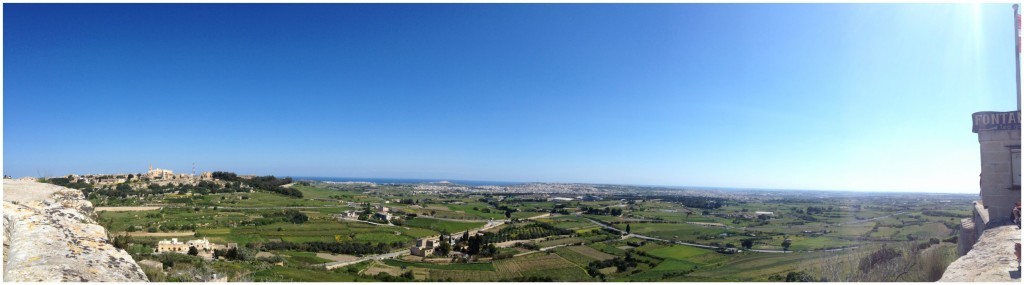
{"x": 997, "y": 192}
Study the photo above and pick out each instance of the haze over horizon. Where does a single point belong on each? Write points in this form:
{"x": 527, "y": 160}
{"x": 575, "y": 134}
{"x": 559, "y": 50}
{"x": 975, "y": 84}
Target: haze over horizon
{"x": 865, "y": 97}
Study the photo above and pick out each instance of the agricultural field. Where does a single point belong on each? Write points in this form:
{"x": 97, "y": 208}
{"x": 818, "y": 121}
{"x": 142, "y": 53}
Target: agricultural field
{"x": 442, "y": 225}
{"x": 541, "y": 265}
{"x": 567, "y": 241}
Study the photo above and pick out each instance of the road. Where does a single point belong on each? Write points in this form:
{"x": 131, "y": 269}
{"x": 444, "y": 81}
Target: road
{"x": 714, "y": 247}
{"x": 394, "y": 254}
{"x": 675, "y": 242}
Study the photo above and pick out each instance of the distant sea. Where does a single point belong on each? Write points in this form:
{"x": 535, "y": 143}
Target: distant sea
{"x": 405, "y": 180}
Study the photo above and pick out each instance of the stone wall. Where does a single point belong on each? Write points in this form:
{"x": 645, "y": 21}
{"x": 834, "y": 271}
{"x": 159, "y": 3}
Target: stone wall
{"x": 968, "y": 236}
{"x": 55, "y": 239}
{"x": 997, "y": 193}
{"x": 991, "y": 260}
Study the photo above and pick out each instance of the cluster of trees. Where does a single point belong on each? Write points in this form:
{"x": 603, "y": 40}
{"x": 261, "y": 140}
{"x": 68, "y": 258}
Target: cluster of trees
{"x": 405, "y": 277}
{"x": 66, "y": 182}
{"x": 289, "y": 216}
{"x": 445, "y": 247}
{"x": 235, "y": 253}
{"x": 599, "y": 211}
{"x": 795, "y": 276}
{"x": 696, "y": 202}
{"x": 478, "y": 245}
{"x": 881, "y": 256}
{"x": 812, "y": 210}
{"x": 621, "y": 265}
{"x": 936, "y": 213}
{"x": 268, "y": 183}
{"x": 497, "y": 205}
{"x": 335, "y": 247}
{"x": 560, "y": 209}
{"x": 203, "y": 187}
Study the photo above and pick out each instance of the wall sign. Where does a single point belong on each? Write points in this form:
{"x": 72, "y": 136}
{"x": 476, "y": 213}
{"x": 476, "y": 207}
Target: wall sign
{"x": 994, "y": 121}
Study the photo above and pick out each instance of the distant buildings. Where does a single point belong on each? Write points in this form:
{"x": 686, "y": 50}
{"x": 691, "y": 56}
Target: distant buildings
{"x": 174, "y": 245}
{"x": 423, "y": 247}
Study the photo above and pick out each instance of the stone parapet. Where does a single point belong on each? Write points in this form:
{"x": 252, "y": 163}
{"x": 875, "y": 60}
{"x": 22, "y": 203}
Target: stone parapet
{"x": 991, "y": 260}
{"x": 967, "y": 237}
{"x": 56, "y": 240}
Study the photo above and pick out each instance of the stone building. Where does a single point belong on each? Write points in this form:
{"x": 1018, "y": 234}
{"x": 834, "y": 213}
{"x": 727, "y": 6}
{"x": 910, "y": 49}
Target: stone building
{"x": 999, "y": 140}
{"x": 156, "y": 173}
{"x": 174, "y": 245}
{"x": 423, "y": 247}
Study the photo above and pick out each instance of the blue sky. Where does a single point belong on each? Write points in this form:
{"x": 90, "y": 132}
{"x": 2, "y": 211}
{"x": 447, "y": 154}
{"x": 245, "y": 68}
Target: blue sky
{"x": 845, "y": 97}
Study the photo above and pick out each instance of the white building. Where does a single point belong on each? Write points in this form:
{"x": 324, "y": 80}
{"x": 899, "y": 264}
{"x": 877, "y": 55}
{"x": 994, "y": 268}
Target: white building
{"x": 174, "y": 245}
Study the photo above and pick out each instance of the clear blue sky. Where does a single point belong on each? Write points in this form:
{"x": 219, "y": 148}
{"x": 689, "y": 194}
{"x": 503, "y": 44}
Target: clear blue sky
{"x": 845, "y": 97}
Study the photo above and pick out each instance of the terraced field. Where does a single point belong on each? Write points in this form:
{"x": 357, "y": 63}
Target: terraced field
{"x": 541, "y": 265}
{"x": 442, "y": 225}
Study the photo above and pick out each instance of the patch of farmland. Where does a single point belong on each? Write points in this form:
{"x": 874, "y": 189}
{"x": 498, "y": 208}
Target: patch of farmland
{"x": 560, "y": 241}
{"x": 927, "y": 230}
{"x": 574, "y": 257}
{"x": 442, "y": 225}
{"x": 675, "y": 265}
{"x": 336, "y": 257}
{"x": 678, "y": 252}
{"x": 590, "y": 252}
{"x": 377, "y": 268}
{"x": 463, "y": 275}
{"x": 541, "y": 265}
{"x": 443, "y": 266}
{"x": 759, "y": 265}
{"x": 672, "y": 231}
{"x": 570, "y": 222}
{"x": 853, "y": 230}
{"x": 603, "y": 247}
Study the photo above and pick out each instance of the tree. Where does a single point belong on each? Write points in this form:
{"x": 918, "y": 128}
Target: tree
{"x": 193, "y": 251}
{"x": 747, "y": 243}
{"x": 628, "y": 230}
{"x": 785, "y": 244}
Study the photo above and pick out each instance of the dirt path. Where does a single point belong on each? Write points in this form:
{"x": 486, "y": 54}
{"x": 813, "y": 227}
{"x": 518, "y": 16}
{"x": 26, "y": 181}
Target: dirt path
{"x": 125, "y": 209}
{"x": 336, "y": 257}
{"x": 148, "y": 234}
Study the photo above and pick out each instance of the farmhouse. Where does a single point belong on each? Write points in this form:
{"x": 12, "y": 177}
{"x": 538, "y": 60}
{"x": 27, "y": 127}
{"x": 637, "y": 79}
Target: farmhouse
{"x": 174, "y": 245}
{"x": 349, "y": 215}
{"x": 423, "y": 247}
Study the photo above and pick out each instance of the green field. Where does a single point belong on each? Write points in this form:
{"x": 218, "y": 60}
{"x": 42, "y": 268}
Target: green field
{"x": 442, "y": 225}
{"x": 450, "y": 266}
{"x": 251, "y": 219}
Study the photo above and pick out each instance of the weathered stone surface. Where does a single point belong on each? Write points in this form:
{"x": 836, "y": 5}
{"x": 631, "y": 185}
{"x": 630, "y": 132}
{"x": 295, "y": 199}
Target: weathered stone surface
{"x": 54, "y": 239}
{"x": 991, "y": 260}
{"x": 967, "y": 237}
